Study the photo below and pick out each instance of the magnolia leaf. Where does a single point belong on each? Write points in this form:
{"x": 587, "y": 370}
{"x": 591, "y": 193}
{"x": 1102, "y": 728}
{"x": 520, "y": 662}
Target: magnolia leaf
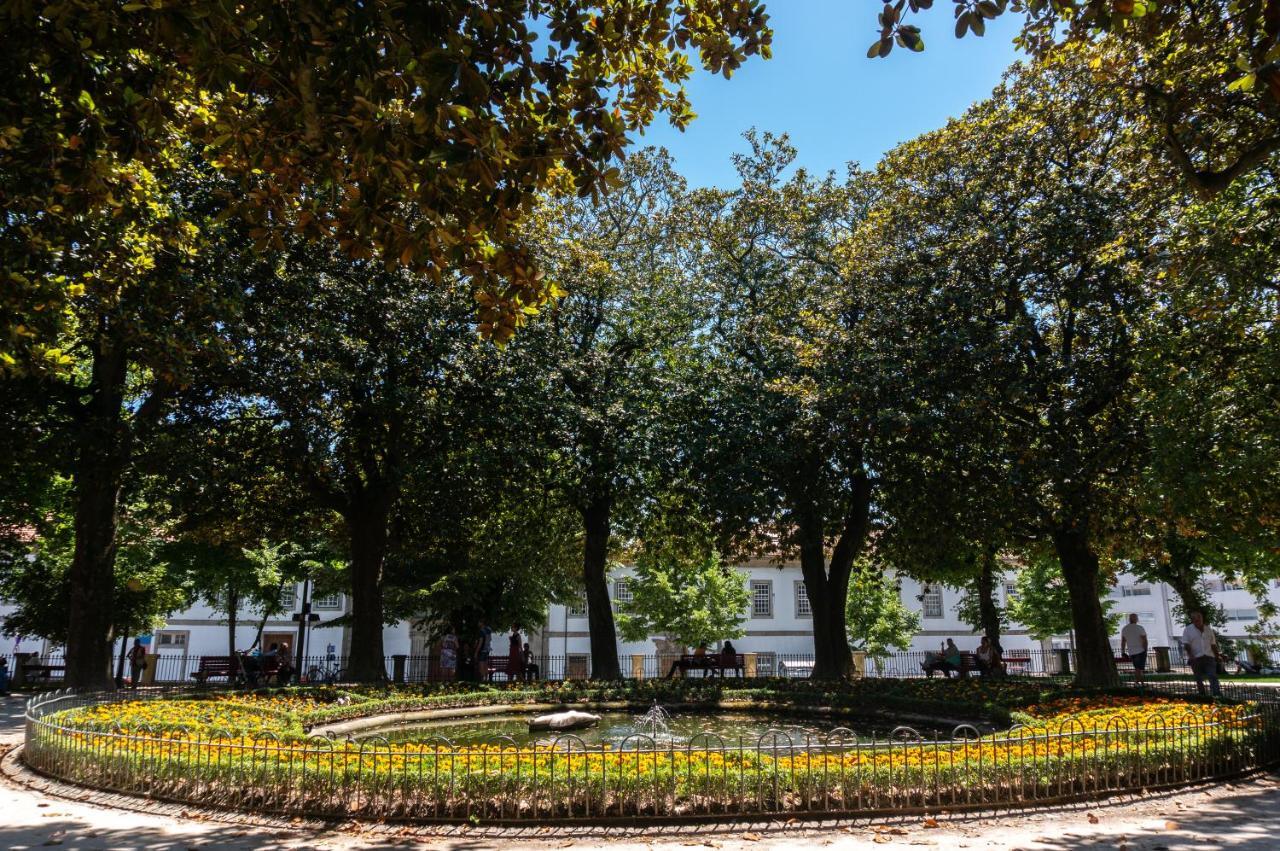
{"x": 1243, "y": 84}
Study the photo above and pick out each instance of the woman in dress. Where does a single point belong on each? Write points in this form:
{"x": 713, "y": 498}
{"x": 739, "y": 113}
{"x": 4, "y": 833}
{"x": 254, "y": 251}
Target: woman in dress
{"x": 449, "y": 656}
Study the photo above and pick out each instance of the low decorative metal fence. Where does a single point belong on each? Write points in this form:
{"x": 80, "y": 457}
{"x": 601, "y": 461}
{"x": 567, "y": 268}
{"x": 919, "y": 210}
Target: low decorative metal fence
{"x": 706, "y": 777}
{"x": 169, "y": 668}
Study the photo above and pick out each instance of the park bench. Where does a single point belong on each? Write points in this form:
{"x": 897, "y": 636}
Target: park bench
{"x": 217, "y": 666}
{"x": 502, "y": 665}
{"x": 41, "y": 672}
{"x": 968, "y": 664}
{"x": 1017, "y": 661}
{"x": 499, "y": 665}
{"x": 713, "y": 663}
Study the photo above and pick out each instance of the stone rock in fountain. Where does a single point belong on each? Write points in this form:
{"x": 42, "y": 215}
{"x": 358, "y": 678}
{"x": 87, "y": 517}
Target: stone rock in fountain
{"x": 569, "y": 720}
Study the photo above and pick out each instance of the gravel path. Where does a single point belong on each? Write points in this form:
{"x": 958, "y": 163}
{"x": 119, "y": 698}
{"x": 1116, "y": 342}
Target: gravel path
{"x": 36, "y": 814}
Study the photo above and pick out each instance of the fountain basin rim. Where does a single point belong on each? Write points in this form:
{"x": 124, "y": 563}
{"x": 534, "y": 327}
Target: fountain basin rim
{"x": 351, "y": 726}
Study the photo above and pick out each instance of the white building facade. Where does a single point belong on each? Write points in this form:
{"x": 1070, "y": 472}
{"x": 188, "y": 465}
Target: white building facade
{"x": 778, "y": 628}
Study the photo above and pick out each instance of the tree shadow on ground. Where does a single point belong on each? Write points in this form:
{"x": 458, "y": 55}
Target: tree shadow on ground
{"x": 1243, "y": 821}
{"x": 76, "y": 835}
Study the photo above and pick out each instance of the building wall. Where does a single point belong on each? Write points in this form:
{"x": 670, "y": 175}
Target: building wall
{"x": 777, "y": 622}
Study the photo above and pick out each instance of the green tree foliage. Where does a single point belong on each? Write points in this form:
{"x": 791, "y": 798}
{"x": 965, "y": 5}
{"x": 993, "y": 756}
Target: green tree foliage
{"x": 792, "y": 401}
{"x": 690, "y": 602}
{"x": 680, "y": 587}
{"x": 105, "y": 334}
{"x": 35, "y": 572}
{"x": 354, "y": 368}
{"x": 417, "y": 133}
{"x": 482, "y": 534}
{"x": 878, "y": 622}
{"x": 1211, "y": 353}
{"x": 1202, "y": 76}
{"x": 1042, "y": 600}
{"x": 1047, "y": 296}
{"x": 603, "y": 361}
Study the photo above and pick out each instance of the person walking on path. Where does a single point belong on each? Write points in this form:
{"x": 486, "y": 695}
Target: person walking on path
{"x": 1201, "y": 647}
{"x": 4, "y": 677}
{"x": 1133, "y": 643}
{"x": 137, "y": 663}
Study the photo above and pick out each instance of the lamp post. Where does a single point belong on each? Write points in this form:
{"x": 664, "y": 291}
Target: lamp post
{"x": 303, "y": 619}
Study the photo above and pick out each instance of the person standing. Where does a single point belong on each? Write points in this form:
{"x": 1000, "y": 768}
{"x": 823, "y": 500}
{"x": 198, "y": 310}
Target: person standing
{"x": 515, "y": 655}
{"x": 137, "y": 663}
{"x": 449, "y": 656}
{"x": 530, "y": 667}
{"x": 1201, "y": 647}
{"x": 484, "y": 646}
{"x": 1133, "y": 644}
{"x": 4, "y": 677}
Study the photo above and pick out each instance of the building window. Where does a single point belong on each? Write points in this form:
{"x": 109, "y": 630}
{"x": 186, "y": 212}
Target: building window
{"x": 327, "y": 601}
{"x": 288, "y": 597}
{"x": 803, "y": 609}
{"x": 1146, "y": 617}
{"x": 1242, "y": 614}
{"x": 621, "y": 593}
{"x": 577, "y": 608}
{"x": 1217, "y": 585}
{"x": 932, "y": 603}
{"x": 1010, "y": 593}
{"x": 761, "y": 598}
{"x": 171, "y": 641}
{"x": 1135, "y": 590}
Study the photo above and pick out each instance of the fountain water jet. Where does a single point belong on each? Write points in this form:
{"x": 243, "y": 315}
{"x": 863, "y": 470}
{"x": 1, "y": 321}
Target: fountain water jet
{"x": 655, "y": 721}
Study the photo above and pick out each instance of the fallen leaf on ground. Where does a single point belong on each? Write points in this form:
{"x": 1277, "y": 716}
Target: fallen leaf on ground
{"x": 1171, "y": 825}
{"x": 1093, "y": 819}
{"x": 930, "y": 821}
{"x": 751, "y": 837}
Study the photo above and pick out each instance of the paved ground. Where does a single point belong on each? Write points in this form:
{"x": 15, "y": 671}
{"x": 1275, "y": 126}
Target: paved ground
{"x": 1240, "y": 816}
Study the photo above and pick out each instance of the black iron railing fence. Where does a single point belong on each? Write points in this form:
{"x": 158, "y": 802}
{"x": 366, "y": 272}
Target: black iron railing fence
{"x": 168, "y": 668}
{"x": 709, "y": 776}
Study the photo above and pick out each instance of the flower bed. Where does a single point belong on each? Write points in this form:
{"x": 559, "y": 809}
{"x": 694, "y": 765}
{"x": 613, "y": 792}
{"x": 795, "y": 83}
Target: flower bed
{"x": 252, "y": 750}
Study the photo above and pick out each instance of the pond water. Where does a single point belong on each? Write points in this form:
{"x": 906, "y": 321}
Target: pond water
{"x": 615, "y": 728}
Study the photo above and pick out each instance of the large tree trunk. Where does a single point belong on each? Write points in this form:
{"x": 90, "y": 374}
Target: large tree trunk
{"x": 1095, "y": 663}
{"x": 233, "y": 618}
{"x": 98, "y": 472}
{"x": 988, "y": 613}
{"x": 367, "y": 521}
{"x": 828, "y": 584}
{"x": 595, "y": 566}
{"x": 831, "y": 655}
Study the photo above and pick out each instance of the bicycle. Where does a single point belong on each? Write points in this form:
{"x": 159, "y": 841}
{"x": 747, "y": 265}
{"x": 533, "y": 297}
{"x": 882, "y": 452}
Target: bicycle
{"x": 328, "y": 673}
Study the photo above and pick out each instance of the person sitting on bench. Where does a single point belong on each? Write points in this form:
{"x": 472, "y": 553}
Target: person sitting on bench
{"x": 684, "y": 663}
{"x": 946, "y": 661}
{"x": 728, "y": 657}
{"x": 987, "y": 658}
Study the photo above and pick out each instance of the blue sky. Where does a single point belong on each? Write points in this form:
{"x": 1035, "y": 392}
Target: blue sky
{"x": 836, "y": 104}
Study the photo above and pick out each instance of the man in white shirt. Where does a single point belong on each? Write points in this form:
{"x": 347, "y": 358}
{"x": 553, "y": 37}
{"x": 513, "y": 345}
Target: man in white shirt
{"x": 1201, "y": 647}
{"x": 1133, "y": 643}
